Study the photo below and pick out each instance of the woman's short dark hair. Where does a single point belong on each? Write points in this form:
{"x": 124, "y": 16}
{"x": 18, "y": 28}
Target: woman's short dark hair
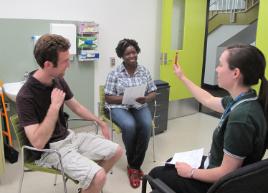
{"x": 47, "y": 48}
{"x": 124, "y": 44}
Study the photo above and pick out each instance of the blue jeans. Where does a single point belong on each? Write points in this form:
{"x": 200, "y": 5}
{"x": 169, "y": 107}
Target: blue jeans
{"x": 136, "y": 125}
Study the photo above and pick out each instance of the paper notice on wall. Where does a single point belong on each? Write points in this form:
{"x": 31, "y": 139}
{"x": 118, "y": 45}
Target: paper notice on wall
{"x": 66, "y": 30}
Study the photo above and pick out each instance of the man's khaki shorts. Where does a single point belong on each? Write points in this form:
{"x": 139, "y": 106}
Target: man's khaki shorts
{"x": 79, "y": 153}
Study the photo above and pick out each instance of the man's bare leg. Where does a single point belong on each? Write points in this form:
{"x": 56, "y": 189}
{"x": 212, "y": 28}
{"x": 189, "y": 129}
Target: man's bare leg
{"x": 108, "y": 164}
{"x": 97, "y": 183}
{"x": 99, "y": 179}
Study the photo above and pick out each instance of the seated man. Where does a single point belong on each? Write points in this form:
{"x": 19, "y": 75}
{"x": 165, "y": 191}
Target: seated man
{"x": 40, "y": 105}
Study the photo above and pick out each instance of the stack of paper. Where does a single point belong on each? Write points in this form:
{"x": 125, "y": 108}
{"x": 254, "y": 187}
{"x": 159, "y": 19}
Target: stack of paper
{"x": 132, "y": 93}
{"x": 193, "y": 158}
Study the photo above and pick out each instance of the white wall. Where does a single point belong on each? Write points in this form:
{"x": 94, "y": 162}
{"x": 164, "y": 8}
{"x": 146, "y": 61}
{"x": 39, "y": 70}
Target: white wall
{"x": 215, "y": 39}
{"x": 137, "y": 19}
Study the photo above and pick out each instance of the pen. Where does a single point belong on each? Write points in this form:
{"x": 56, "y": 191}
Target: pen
{"x": 176, "y": 58}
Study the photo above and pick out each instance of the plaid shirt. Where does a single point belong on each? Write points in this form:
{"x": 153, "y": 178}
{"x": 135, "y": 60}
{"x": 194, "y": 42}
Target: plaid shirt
{"x": 119, "y": 79}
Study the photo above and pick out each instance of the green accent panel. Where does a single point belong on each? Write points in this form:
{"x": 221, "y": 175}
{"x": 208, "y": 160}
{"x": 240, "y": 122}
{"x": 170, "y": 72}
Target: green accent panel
{"x": 262, "y": 30}
{"x": 191, "y": 56}
{"x": 167, "y": 6}
{"x": 102, "y": 115}
{"x": 240, "y": 19}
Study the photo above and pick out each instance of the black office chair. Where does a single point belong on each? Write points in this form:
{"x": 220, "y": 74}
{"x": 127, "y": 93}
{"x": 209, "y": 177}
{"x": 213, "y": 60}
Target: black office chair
{"x": 157, "y": 185}
{"x": 252, "y": 178}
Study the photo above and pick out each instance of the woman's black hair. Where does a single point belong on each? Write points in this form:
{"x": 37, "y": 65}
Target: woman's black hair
{"x": 124, "y": 44}
{"x": 251, "y": 63}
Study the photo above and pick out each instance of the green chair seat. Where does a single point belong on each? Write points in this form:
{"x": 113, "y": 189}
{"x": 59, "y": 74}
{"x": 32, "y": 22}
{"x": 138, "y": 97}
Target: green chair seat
{"x": 114, "y": 127}
{"x": 27, "y": 161}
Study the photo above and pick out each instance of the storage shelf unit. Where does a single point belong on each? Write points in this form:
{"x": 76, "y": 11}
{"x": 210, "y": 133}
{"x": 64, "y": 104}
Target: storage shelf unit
{"x": 87, "y": 41}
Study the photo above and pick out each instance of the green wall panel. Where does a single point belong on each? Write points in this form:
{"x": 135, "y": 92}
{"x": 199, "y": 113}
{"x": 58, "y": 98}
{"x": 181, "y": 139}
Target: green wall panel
{"x": 191, "y": 55}
{"x": 262, "y": 29}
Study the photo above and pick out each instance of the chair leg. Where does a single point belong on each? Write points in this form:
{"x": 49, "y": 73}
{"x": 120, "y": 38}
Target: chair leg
{"x": 55, "y": 180}
{"x": 64, "y": 183}
{"x": 22, "y": 166}
{"x": 144, "y": 184}
{"x": 112, "y": 129}
{"x": 153, "y": 144}
{"x": 112, "y": 138}
{"x": 62, "y": 173}
{"x": 97, "y": 129}
{"x": 21, "y": 180}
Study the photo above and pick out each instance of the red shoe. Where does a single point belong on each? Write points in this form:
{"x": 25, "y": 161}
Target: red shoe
{"x": 141, "y": 174}
{"x": 134, "y": 177}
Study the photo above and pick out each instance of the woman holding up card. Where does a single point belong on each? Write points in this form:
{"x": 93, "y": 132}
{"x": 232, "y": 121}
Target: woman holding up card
{"x": 241, "y": 135}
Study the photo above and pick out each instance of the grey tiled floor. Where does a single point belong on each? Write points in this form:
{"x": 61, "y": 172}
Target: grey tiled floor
{"x": 185, "y": 133}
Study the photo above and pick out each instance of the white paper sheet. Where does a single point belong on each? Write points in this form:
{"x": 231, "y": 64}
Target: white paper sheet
{"x": 132, "y": 93}
{"x": 193, "y": 158}
{"x": 66, "y": 30}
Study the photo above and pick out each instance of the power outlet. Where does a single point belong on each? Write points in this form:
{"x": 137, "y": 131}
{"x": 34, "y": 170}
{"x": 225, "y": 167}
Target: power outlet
{"x": 112, "y": 61}
{"x": 7, "y": 106}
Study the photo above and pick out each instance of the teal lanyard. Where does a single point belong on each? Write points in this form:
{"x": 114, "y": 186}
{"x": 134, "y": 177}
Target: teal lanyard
{"x": 228, "y": 109}
{"x": 232, "y": 105}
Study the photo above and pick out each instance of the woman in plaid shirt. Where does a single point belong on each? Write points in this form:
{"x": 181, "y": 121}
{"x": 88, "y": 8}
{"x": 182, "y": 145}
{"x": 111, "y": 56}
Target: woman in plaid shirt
{"x": 135, "y": 121}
